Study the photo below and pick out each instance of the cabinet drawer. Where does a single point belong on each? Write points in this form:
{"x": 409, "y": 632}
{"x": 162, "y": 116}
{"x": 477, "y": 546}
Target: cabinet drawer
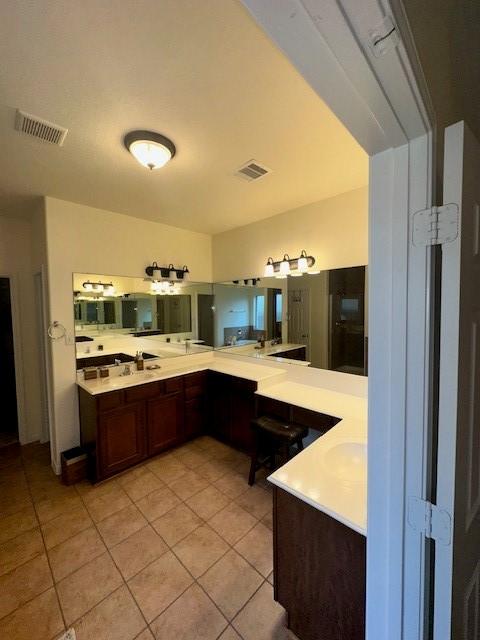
{"x": 173, "y": 384}
{"x": 111, "y": 400}
{"x": 143, "y": 392}
{"x": 242, "y": 385}
{"x": 195, "y": 379}
{"x": 312, "y": 419}
{"x": 195, "y": 392}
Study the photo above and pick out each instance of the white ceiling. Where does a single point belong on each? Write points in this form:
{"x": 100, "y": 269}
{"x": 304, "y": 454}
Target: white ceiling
{"x": 201, "y": 73}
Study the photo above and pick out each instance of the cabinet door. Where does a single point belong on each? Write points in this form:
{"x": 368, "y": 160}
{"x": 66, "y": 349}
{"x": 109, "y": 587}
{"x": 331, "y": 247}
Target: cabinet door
{"x": 195, "y": 417}
{"x": 164, "y": 422}
{"x": 121, "y": 439}
{"x": 219, "y": 391}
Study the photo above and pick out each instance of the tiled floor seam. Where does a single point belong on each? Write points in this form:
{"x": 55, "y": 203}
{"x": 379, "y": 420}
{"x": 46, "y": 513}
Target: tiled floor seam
{"x": 45, "y": 549}
{"x": 125, "y": 583}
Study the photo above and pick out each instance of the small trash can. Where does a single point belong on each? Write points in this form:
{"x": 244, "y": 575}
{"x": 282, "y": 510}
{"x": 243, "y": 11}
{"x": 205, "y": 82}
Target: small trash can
{"x": 74, "y": 465}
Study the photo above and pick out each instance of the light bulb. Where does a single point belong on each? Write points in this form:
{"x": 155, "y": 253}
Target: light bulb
{"x": 302, "y": 262}
{"x": 269, "y": 270}
{"x": 285, "y": 266}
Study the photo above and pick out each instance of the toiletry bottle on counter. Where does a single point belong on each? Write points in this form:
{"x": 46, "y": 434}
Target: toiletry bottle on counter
{"x": 139, "y": 361}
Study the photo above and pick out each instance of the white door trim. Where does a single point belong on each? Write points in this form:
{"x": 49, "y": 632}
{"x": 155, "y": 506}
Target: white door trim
{"x": 382, "y": 102}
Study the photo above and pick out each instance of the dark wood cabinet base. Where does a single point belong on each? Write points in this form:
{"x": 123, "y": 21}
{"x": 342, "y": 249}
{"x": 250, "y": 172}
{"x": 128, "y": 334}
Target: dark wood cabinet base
{"x": 319, "y": 571}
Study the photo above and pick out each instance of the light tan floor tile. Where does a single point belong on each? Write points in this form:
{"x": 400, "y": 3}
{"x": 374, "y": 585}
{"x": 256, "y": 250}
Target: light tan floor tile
{"x": 270, "y": 578}
{"x": 233, "y": 485}
{"x": 157, "y": 503}
{"x": 18, "y": 550}
{"x": 204, "y": 442}
{"x": 41, "y": 616}
{"x": 139, "y": 483}
{"x": 232, "y": 523}
{"x": 72, "y": 554}
{"x": 120, "y": 525}
{"x": 82, "y": 590}
{"x": 208, "y": 502}
{"x": 192, "y": 617}
{"x": 140, "y": 549}
{"x": 213, "y": 470}
{"x": 257, "y": 548}
{"x": 193, "y": 459}
{"x": 53, "y": 507}
{"x": 167, "y": 468}
{"x": 65, "y": 526}
{"x": 200, "y": 549}
{"x": 115, "y": 618}
{"x": 14, "y": 500}
{"x": 90, "y": 491}
{"x": 107, "y": 502}
{"x": 262, "y": 618}
{"x": 24, "y": 583}
{"x": 12, "y": 525}
{"x": 229, "y": 634}
{"x": 230, "y": 583}
{"x": 267, "y": 520}
{"x": 145, "y": 635}
{"x": 188, "y": 485}
{"x": 159, "y": 584}
{"x": 256, "y": 501}
{"x": 176, "y": 524}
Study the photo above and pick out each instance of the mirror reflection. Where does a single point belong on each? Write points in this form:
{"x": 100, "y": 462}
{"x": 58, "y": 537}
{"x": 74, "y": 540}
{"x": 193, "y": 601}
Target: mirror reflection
{"x": 316, "y": 319}
{"x": 113, "y": 323}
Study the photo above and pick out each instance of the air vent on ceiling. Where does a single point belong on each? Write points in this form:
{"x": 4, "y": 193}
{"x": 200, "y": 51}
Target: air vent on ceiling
{"x": 252, "y": 170}
{"x": 39, "y": 128}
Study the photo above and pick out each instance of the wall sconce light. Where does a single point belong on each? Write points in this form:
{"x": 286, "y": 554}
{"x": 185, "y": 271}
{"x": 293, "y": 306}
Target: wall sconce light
{"x": 167, "y": 273}
{"x": 289, "y": 266}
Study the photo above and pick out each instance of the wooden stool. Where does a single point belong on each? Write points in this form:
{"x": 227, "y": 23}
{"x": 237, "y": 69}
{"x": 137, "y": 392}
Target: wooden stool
{"x": 272, "y": 435}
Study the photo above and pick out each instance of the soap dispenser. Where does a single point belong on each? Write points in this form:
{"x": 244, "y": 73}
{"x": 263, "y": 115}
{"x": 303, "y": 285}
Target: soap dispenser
{"x": 139, "y": 361}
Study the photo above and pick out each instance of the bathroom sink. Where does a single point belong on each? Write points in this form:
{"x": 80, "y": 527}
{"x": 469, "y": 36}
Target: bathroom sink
{"x": 347, "y": 461}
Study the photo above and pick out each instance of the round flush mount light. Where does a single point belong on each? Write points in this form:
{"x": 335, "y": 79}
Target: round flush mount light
{"x": 151, "y": 149}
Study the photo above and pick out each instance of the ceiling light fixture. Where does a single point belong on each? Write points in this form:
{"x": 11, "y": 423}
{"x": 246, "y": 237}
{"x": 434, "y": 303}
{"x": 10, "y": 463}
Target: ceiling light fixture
{"x": 151, "y": 149}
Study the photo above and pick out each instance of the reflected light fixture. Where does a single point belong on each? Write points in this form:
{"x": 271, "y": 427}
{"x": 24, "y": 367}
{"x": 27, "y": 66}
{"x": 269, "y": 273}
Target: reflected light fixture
{"x": 151, "y": 149}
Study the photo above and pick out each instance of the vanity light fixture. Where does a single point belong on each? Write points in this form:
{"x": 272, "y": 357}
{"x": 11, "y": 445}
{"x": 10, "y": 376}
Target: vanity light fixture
{"x": 289, "y": 266}
{"x": 106, "y": 288}
{"x": 150, "y": 148}
{"x": 167, "y": 273}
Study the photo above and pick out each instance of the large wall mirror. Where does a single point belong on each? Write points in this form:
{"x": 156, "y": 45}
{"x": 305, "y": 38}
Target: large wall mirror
{"x": 115, "y": 317}
{"x": 318, "y": 320}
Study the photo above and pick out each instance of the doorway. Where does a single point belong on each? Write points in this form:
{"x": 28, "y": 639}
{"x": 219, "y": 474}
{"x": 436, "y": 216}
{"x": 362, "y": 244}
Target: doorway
{"x": 205, "y": 302}
{"x": 9, "y": 423}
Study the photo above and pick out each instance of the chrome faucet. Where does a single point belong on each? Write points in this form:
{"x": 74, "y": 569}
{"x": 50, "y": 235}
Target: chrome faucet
{"x": 126, "y": 370}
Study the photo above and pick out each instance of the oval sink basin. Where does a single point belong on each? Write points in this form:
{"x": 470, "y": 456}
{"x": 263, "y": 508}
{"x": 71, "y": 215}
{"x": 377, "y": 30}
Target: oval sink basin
{"x": 347, "y": 461}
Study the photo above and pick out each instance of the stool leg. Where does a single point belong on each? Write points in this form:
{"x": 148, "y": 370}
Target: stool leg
{"x": 300, "y": 444}
{"x": 254, "y": 461}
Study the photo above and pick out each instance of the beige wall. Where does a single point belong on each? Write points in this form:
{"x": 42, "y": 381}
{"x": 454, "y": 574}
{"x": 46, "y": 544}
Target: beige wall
{"x": 334, "y": 231}
{"x": 87, "y": 240}
{"x": 16, "y": 263}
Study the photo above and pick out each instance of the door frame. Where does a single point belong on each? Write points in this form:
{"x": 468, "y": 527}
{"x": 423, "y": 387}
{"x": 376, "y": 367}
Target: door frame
{"x": 17, "y": 355}
{"x": 383, "y": 101}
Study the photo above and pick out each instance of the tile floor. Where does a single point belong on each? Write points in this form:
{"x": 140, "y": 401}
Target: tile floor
{"x": 179, "y": 548}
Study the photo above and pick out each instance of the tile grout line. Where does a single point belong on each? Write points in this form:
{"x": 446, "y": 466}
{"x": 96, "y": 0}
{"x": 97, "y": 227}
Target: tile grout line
{"x": 46, "y": 553}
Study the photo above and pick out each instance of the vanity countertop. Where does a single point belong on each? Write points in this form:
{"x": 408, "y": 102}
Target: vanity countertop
{"x": 268, "y": 352}
{"x": 255, "y": 372}
{"x": 331, "y": 473}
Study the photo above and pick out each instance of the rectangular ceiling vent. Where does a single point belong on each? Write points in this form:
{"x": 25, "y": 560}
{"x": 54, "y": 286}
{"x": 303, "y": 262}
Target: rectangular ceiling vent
{"x": 252, "y": 170}
{"x": 39, "y": 128}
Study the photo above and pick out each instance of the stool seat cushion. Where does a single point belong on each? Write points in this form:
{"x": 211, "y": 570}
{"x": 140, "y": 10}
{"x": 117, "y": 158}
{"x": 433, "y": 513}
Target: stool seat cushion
{"x": 280, "y": 429}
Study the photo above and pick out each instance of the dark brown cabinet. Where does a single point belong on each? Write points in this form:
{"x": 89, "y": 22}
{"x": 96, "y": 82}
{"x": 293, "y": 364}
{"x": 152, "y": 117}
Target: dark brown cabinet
{"x": 319, "y": 571}
{"x": 164, "y": 422}
{"x": 121, "y": 438}
{"x": 232, "y": 407}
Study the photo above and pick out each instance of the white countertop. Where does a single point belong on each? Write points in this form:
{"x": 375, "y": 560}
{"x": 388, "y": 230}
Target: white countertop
{"x": 169, "y": 369}
{"x": 331, "y": 473}
{"x": 268, "y": 351}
